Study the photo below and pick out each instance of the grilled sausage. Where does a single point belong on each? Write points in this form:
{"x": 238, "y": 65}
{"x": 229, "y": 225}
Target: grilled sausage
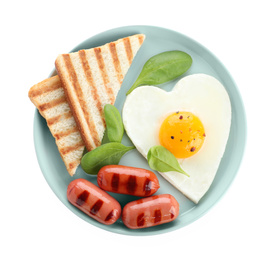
{"x": 151, "y": 211}
{"x": 93, "y": 201}
{"x": 128, "y": 180}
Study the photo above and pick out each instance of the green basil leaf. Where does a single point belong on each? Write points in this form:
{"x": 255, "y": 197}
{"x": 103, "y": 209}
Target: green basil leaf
{"x": 162, "y": 68}
{"x": 115, "y": 127}
{"x": 106, "y": 154}
{"x": 105, "y": 138}
{"x": 162, "y": 160}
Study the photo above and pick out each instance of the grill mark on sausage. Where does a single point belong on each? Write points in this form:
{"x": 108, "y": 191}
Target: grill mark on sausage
{"x": 115, "y": 182}
{"x": 70, "y": 191}
{"x": 140, "y": 201}
{"x": 172, "y": 213}
{"x": 155, "y": 197}
{"x": 82, "y": 198}
{"x": 157, "y": 215}
{"x": 96, "y": 207}
{"x": 141, "y": 220}
{"x": 80, "y": 97}
{"x": 109, "y": 216}
{"x": 90, "y": 80}
{"x": 104, "y": 74}
{"x": 52, "y": 104}
{"x": 127, "y": 45}
{"x": 147, "y": 186}
{"x": 131, "y": 184}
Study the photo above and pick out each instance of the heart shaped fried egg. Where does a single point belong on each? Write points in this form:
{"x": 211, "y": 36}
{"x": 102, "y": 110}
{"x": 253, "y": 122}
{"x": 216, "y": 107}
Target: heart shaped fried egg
{"x": 192, "y": 121}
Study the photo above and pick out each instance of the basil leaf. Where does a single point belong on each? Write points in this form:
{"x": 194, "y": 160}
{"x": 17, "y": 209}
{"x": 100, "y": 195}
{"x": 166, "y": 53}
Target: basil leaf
{"x": 115, "y": 127}
{"x": 162, "y": 160}
{"x": 162, "y": 68}
{"x": 105, "y": 138}
{"x": 106, "y": 154}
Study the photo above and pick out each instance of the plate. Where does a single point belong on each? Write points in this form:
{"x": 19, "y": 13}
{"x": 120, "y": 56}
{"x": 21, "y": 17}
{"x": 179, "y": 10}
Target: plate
{"x": 157, "y": 40}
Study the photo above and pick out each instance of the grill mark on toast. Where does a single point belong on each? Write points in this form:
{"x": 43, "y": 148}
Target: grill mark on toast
{"x": 116, "y": 62}
{"x": 63, "y": 134}
{"x": 89, "y": 77}
{"x": 127, "y": 45}
{"x": 52, "y": 104}
{"x": 72, "y": 148}
{"x": 80, "y": 96}
{"x": 35, "y": 91}
{"x": 73, "y": 165}
{"x": 56, "y": 119}
{"x": 104, "y": 74}
{"x": 141, "y": 39}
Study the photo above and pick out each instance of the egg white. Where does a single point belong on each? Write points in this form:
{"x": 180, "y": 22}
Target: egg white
{"x": 147, "y": 106}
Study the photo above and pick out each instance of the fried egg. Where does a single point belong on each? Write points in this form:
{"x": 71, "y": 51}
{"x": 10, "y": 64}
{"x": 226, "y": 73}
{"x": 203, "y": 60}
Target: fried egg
{"x": 192, "y": 121}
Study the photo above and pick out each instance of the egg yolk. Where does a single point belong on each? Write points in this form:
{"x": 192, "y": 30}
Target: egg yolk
{"x": 182, "y": 133}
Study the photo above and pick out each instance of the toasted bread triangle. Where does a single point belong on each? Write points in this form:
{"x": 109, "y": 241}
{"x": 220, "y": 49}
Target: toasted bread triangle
{"x": 91, "y": 79}
{"x": 75, "y": 99}
{"x": 49, "y": 98}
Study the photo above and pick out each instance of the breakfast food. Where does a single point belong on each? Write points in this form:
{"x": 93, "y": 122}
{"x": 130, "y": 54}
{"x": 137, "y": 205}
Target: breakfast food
{"x": 92, "y": 78}
{"x": 128, "y": 180}
{"x": 97, "y": 75}
{"x": 93, "y": 201}
{"x": 49, "y": 98}
{"x": 194, "y": 118}
{"x": 151, "y": 211}
{"x": 182, "y": 133}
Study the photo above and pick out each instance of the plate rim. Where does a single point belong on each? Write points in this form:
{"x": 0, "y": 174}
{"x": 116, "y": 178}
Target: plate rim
{"x": 145, "y": 232}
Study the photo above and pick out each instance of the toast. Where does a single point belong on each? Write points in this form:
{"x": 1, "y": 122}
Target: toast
{"x": 91, "y": 79}
{"x": 49, "y": 97}
{"x": 51, "y": 101}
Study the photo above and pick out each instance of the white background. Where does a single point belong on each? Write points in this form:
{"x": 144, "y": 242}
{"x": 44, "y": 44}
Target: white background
{"x": 36, "y": 225}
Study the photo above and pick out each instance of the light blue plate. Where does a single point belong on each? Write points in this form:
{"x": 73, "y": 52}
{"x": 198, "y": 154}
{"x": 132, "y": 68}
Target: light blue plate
{"x": 157, "y": 40}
